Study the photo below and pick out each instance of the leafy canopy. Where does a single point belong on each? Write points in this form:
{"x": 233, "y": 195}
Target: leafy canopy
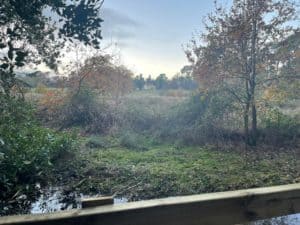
{"x": 36, "y": 32}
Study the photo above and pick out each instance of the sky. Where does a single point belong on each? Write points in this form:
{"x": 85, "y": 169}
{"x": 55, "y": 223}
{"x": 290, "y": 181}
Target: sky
{"x": 149, "y": 35}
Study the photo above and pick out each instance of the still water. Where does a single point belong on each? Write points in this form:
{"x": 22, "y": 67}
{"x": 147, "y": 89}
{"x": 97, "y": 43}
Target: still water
{"x": 57, "y": 199}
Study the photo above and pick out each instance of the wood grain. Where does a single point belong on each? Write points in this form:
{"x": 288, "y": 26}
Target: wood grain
{"x": 94, "y": 202}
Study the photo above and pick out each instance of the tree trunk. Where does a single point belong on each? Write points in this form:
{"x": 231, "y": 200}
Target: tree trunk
{"x": 246, "y": 123}
{"x": 253, "y": 73}
{"x": 246, "y": 113}
{"x": 254, "y": 124}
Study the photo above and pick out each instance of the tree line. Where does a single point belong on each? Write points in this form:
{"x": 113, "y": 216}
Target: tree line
{"x": 99, "y": 73}
{"x": 183, "y": 80}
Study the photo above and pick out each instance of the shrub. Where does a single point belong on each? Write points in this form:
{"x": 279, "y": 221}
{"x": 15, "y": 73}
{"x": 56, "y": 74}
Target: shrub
{"x": 50, "y": 104}
{"x": 200, "y": 120}
{"x": 138, "y": 119}
{"x": 28, "y": 151}
{"x": 97, "y": 142}
{"x": 142, "y": 114}
{"x": 41, "y": 88}
{"x": 133, "y": 141}
{"x": 278, "y": 128}
{"x": 84, "y": 110}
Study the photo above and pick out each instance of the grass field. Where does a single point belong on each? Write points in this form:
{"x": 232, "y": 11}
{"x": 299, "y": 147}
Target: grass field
{"x": 165, "y": 170}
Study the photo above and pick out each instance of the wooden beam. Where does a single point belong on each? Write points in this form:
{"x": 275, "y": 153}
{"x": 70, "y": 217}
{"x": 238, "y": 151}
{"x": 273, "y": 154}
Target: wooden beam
{"x": 100, "y": 201}
{"x": 223, "y": 208}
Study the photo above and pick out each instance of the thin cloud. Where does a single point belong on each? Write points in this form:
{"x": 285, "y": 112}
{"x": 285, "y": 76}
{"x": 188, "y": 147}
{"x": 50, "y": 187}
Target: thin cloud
{"x": 121, "y": 34}
{"x": 117, "y": 25}
{"x": 117, "y": 19}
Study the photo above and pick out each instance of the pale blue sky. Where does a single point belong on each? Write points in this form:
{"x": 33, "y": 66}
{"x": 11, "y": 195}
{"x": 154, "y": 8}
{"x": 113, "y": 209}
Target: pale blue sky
{"x": 150, "y": 33}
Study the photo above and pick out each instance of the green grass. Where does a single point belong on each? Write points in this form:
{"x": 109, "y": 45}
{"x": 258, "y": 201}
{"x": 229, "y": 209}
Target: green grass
{"x": 169, "y": 171}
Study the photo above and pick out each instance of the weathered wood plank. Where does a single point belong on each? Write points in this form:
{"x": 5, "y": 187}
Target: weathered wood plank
{"x": 210, "y": 209}
{"x": 93, "y": 202}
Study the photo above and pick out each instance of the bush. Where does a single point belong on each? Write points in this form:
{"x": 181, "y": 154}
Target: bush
{"x": 82, "y": 109}
{"x": 133, "y": 141}
{"x": 50, "y": 104}
{"x": 142, "y": 114}
{"x": 278, "y": 128}
{"x": 28, "y": 151}
{"x": 41, "y": 88}
{"x": 98, "y": 142}
{"x": 200, "y": 120}
{"x": 138, "y": 119}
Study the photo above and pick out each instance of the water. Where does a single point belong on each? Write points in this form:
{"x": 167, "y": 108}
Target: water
{"x": 285, "y": 220}
{"x": 57, "y": 199}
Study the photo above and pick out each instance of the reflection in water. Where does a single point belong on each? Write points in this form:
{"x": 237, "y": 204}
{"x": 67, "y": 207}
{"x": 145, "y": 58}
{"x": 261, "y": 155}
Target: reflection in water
{"x": 57, "y": 199}
{"x": 285, "y": 220}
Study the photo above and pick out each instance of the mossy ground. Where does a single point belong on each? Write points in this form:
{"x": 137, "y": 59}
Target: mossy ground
{"x": 167, "y": 170}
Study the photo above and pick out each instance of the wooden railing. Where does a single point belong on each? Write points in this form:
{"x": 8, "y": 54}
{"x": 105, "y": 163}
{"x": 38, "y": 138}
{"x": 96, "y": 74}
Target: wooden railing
{"x": 223, "y": 208}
